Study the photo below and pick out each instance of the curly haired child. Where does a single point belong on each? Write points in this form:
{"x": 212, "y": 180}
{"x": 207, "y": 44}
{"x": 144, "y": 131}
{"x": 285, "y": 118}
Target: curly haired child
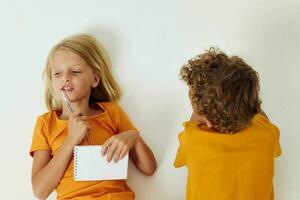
{"x": 229, "y": 144}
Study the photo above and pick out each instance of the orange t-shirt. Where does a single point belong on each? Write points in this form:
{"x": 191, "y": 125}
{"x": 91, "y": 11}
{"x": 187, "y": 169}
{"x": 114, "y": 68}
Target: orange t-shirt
{"x": 49, "y": 134}
{"x": 236, "y": 166}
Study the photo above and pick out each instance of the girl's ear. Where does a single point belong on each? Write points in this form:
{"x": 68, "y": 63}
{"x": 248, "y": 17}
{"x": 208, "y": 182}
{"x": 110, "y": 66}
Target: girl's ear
{"x": 96, "y": 81}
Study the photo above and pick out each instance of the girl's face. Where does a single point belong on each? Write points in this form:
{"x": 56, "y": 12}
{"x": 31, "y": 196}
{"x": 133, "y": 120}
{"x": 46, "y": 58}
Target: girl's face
{"x": 73, "y": 75}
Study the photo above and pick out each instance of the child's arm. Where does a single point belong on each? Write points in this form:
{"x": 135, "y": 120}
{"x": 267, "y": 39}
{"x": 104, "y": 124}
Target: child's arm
{"x": 143, "y": 157}
{"x": 118, "y": 145}
{"x": 47, "y": 171}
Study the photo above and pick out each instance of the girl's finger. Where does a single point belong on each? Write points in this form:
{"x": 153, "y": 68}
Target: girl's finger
{"x": 88, "y": 126}
{"x": 85, "y": 123}
{"x": 111, "y": 150}
{"x": 105, "y": 146}
{"x": 82, "y": 118}
{"x": 117, "y": 153}
{"x": 75, "y": 113}
{"x": 124, "y": 152}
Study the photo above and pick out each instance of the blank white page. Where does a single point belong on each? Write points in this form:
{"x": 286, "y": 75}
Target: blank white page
{"x": 90, "y": 165}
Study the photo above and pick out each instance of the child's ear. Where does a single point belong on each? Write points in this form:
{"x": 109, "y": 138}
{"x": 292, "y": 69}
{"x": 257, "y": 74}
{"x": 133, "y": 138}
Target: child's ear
{"x": 208, "y": 123}
{"x": 201, "y": 119}
{"x": 96, "y": 81}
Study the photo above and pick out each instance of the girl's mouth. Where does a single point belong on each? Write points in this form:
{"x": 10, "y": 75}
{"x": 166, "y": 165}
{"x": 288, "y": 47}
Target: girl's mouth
{"x": 67, "y": 88}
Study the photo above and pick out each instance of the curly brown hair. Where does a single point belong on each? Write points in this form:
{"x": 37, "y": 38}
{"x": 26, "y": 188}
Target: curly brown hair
{"x": 223, "y": 89}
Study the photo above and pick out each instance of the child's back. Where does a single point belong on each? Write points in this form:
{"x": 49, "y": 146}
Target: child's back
{"x": 234, "y": 158}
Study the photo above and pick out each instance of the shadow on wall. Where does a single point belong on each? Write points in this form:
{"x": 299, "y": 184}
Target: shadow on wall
{"x": 108, "y": 38}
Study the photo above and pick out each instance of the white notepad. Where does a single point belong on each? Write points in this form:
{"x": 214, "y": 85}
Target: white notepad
{"x": 90, "y": 165}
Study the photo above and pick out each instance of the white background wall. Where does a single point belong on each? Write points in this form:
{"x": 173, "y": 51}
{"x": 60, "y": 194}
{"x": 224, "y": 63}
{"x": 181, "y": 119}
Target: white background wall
{"x": 148, "y": 41}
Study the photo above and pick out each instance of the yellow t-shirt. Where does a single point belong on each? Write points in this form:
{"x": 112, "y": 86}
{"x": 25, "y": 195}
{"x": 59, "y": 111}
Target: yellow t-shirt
{"x": 236, "y": 166}
{"x": 49, "y": 134}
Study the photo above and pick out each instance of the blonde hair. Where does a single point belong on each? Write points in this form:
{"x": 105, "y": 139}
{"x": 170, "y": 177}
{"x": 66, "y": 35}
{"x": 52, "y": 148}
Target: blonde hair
{"x": 94, "y": 54}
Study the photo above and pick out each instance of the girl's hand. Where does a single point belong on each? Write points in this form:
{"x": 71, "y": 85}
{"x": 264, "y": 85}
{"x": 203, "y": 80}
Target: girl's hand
{"x": 117, "y": 146}
{"x": 78, "y": 127}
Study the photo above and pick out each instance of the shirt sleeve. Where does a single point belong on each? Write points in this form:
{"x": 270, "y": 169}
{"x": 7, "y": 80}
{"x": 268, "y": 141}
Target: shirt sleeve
{"x": 277, "y": 143}
{"x": 39, "y": 139}
{"x": 180, "y": 156}
{"x": 122, "y": 120}
{"x": 266, "y": 122}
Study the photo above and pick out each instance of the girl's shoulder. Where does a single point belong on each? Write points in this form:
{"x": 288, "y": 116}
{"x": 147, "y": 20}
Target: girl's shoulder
{"x": 115, "y": 112}
{"x": 110, "y": 106}
{"x": 47, "y": 117}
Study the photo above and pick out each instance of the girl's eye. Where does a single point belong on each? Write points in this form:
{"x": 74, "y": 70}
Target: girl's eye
{"x": 76, "y": 72}
{"x": 56, "y": 74}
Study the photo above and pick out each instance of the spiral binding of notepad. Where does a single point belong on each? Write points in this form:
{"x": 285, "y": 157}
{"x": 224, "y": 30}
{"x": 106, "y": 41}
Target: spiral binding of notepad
{"x": 75, "y": 155}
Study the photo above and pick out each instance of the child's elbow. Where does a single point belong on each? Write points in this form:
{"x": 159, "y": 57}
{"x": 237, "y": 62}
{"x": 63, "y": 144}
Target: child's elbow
{"x": 39, "y": 193}
{"x": 149, "y": 173}
{"x": 150, "y": 170}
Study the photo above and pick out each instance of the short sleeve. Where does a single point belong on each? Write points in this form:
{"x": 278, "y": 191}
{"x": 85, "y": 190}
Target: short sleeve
{"x": 122, "y": 120}
{"x": 180, "y": 156}
{"x": 277, "y": 143}
{"x": 261, "y": 119}
{"x": 39, "y": 139}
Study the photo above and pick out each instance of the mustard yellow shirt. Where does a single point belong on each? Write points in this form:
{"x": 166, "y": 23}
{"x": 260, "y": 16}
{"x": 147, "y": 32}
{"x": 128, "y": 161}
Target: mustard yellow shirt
{"x": 49, "y": 134}
{"x": 236, "y": 166}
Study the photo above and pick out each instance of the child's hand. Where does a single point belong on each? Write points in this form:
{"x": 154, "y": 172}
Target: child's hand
{"x": 117, "y": 146}
{"x": 78, "y": 127}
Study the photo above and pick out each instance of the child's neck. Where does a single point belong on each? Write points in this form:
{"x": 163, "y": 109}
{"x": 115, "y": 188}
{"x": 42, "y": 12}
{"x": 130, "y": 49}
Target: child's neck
{"x": 84, "y": 108}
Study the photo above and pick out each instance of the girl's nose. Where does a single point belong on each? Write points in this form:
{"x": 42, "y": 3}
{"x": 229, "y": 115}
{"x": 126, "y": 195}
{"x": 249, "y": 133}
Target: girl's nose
{"x": 66, "y": 78}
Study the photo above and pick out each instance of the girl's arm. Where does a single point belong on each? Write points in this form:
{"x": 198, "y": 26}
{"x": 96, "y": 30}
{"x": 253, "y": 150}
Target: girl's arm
{"x": 117, "y": 146}
{"x": 47, "y": 171}
{"x": 143, "y": 157}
